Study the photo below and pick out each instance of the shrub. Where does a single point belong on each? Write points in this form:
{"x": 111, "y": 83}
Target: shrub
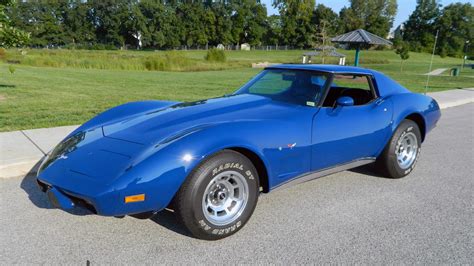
{"x": 215, "y": 55}
{"x": 154, "y": 64}
{"x": 3, "y": 54}
{"x": 11, "y": 69}
{"x": 171, "y": 61}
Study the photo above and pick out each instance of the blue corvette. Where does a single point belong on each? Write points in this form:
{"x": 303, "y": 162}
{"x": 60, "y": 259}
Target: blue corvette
{"x": 209, "y": 160}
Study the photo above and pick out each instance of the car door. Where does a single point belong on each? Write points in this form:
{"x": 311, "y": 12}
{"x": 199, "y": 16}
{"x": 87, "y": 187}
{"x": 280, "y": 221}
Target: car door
{"x": 342, "y": 134}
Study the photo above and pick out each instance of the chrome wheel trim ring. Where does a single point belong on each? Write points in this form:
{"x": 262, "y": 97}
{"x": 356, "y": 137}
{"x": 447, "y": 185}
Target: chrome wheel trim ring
{"x": 225, "y": 198}
{"x": 406, "y": 150}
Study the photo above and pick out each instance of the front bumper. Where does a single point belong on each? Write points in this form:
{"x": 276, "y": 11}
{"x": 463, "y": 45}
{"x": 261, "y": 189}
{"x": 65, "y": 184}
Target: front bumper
{"x": 61, "y": 200}
{"x": 67, "y": 189}
{"x": 100, "y": 174}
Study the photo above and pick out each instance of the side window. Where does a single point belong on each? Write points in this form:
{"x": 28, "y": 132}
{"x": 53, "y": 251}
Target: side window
{"x": 358, "y": 87}
{"x": 292, "y": 86}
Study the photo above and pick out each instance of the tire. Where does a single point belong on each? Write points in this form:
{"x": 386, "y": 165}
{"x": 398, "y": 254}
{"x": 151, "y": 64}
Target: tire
{"x": 393, "y": 162}
{"x": 225, "y": 179}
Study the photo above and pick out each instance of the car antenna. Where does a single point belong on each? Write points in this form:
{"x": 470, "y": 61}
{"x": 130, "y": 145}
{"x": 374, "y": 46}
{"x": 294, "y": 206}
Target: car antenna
{"x": 431, "y": 63}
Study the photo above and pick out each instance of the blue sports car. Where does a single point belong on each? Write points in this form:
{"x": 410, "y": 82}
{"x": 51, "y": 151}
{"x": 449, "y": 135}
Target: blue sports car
{"x": 209, "y": 160}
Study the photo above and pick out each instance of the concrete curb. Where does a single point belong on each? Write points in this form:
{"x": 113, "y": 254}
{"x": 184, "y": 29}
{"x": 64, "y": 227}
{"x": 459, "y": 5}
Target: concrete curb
{"x": 19, "y": 169}
{"x": 21, "y": 151}
{"x": 455, "y": 103}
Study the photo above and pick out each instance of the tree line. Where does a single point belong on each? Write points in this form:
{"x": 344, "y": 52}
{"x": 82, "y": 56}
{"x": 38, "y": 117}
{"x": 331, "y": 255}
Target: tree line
{"x": 153, "y": 24}
{"x": 454, "y": 24}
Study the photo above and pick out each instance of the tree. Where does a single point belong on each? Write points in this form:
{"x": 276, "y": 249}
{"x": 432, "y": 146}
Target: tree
{"x": 78, "y": 25}
{"x": 209, "y": 21}
{"x": 325, "y": 15}
{"x": 134, "y": 26}
{"x": 256, "y": 25}
{"x": 152, "y": 35}
{"x": 107, "y": 18}
{"x": 44, "y": 20}
{"x": 161, "y": 29}
{"x": 419, "y": 29}
{"x": 248, "y": 22}
{"x": 223, "y": 23}
{"x": 10, "y": 36}
{"x": 403, "y": 51}
{"x": 375, "y": 16}
{"x": 191, "y": 27}
{"x": 456, "y": 26}
{"x": 273, "y": 33}
{"x": 297, "y": 29}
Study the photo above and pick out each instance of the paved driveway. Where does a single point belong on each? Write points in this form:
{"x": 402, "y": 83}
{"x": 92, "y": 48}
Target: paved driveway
{"x": 350, "y": 217}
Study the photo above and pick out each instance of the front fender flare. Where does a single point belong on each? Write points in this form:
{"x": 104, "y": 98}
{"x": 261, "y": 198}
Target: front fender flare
{"x": 162, "y": 173}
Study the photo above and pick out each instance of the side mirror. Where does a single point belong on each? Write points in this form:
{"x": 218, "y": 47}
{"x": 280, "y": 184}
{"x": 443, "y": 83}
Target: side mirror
{"x": 345, "y": 101}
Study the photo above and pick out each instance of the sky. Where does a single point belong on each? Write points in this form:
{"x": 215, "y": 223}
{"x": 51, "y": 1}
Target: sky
{"x": 405, "y": 7}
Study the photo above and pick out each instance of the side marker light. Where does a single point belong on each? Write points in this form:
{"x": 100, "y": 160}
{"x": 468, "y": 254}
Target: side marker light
{"x": 135, "y": 198}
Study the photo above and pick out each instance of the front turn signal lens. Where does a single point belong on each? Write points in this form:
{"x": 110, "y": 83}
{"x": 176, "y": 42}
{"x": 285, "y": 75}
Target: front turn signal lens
{"x": 135, "y": 198}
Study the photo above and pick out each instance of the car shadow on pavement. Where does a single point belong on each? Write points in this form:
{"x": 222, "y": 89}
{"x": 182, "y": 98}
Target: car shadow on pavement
{"x": 168, "y": 220}
{"x": 38, "y": 197}
{"x": 165, "y": 218}
{"x": 368, "y": 169}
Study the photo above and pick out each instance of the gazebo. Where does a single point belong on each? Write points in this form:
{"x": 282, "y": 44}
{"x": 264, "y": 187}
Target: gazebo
{"x": 360, "y": 37}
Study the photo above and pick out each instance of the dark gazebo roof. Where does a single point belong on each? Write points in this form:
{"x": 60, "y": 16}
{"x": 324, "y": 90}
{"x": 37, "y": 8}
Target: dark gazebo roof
{"x": 360, "y": 36}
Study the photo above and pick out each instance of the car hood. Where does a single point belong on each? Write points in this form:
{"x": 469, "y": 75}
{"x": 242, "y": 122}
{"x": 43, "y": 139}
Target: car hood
{"x": 155, "y": 126}
{"x": 124, "y": 143}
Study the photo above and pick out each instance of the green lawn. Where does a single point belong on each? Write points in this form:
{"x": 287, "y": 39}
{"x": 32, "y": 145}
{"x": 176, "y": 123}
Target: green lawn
{"x": 35, "y": 97}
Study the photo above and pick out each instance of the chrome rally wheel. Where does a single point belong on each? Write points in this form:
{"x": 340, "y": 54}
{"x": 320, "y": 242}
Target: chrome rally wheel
{"x": 401, "y": 153}
{"x": 407, "y": 149}
{"x": 225, "y": 198}
{"x": 219, "y": 196}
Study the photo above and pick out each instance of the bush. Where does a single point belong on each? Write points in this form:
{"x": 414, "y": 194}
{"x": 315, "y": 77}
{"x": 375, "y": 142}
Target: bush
{"x": 154, "y": 64}
{"x": 3, "y": 54}
{"x": 11, "y": 69}
{"x": 215, "y": 55}
{"x": 171, "y": 61}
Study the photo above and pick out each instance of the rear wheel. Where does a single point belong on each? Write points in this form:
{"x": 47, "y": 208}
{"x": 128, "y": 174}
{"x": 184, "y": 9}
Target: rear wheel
{"x": 400, "y": 155}
{"x": 219, "y": 196}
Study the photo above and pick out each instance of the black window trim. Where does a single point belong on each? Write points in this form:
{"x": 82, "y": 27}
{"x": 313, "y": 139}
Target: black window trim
{"x": 370, "y": 79}
{"x": 327, "y": 83}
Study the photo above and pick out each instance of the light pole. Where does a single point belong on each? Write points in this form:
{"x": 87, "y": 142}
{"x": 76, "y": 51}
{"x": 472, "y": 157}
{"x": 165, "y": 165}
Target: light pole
{"x": 466, "y": 45}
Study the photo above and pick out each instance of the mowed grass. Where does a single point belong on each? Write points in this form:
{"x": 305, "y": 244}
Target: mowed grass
{"x": 36, "y": 97}
{"x": 118, "y": 60}
{"x": 40, "y": 96}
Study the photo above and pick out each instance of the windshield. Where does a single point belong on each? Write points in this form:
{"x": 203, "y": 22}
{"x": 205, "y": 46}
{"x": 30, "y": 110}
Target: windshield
{"x": 292, "y": 86}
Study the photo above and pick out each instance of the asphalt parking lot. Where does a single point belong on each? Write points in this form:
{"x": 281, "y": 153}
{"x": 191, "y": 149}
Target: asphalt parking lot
{"x": 350, "y": 217}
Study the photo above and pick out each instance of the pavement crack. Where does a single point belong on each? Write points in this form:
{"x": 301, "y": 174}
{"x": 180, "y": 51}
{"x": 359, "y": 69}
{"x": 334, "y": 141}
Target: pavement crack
{"x": 24, "y": 134}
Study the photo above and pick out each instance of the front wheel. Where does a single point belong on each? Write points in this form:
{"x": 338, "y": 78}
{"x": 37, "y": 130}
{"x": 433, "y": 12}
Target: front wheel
{"x": 400, "y": 155}
{"x": 219, "y": 196}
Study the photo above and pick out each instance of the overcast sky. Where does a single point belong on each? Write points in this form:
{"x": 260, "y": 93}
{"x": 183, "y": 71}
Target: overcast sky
{"x": 405, "y": 7}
